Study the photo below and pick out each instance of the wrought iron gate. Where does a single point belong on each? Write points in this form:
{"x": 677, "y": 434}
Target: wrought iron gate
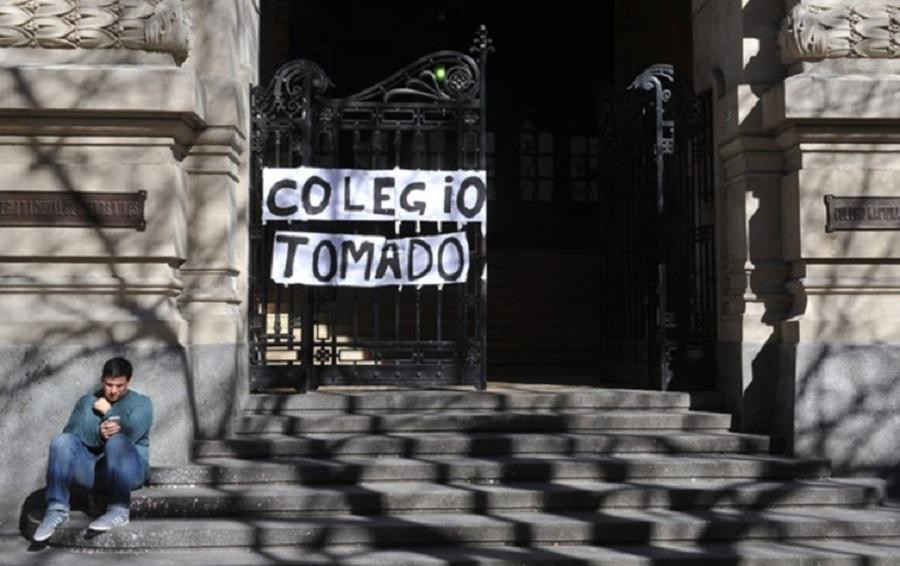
{"x": 659, "y": 318}
{"x": 429, "y": 115}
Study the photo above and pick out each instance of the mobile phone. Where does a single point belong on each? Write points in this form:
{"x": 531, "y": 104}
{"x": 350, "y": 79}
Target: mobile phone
{"x": 114, "y": 418}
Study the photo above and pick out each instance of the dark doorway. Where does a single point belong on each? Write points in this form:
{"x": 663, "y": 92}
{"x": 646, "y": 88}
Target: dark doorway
{"x": 551, "y": 67}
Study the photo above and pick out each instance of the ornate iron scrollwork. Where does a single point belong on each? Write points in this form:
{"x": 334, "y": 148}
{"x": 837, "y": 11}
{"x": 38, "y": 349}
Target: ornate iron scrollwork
{"x": 473, "y": 352}
{"x": 652, "y": 79}
{"x": 288, "y": 93}
{"x": 323, "y": 355}
{"x": 442, "y": 76}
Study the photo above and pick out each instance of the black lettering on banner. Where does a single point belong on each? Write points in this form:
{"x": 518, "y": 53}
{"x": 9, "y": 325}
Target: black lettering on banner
{"x": 379, "y": 184}
{"x": 292, "y": 243}
{"x": 481, "y": 194}
{"x": 332, "y": 261}
{"x": 417, "y": 206}
{"x": 349, "y": 251}
{"x": 348, "y": 205}
{"x": 385, "y": 262}
{"x": 448, "y": 194}
{"x": 273, "y": 192}
{"x": 307, "y": 190}
{"x": 413, "y": 242}
{"x": 440, "y": 259}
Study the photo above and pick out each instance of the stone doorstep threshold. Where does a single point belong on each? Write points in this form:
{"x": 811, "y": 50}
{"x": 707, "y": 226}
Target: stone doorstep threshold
{"x": 492, "y": 386}
{"x": 699, "y": 400}
{"x": 498, "y": 386}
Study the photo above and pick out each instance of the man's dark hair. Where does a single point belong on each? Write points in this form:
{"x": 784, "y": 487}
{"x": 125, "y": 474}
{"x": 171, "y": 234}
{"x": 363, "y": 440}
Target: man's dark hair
{"x": 115, "y": 367}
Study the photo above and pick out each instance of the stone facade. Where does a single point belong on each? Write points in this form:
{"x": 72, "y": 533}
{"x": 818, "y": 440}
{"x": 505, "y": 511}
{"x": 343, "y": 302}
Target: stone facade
{"x": 122, "y": 96}
{"x": 807, "y": 100}
{"x": 128, "y": 95}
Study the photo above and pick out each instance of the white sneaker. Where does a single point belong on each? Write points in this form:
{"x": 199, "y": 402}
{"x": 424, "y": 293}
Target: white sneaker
{"x": 52, "y": 519}
{"x": 112, "y": 518}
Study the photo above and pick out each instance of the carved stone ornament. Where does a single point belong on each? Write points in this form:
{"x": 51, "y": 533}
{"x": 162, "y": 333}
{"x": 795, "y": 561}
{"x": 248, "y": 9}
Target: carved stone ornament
{"x": 148, "y": 25}
{"x": 869, "y": 29}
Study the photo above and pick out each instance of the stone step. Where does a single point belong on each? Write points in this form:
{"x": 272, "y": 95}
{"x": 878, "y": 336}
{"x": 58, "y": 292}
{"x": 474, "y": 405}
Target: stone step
{"x": 218, "y": 471}
{"x": 804, "y": 552}
{"x": 472, "y": 421}
{"x": 411, "y": 444}
{"x": 616, "y": 526}
{"x": 378, "y": 498}
{"x": 497, "y": 398}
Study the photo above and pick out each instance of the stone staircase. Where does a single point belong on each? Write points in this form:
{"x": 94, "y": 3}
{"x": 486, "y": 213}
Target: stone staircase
{"x": 506, "y": 476}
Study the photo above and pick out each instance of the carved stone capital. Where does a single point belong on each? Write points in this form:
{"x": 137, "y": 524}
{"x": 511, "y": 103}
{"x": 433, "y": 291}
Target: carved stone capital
{"x": 147, "y": 25}
{"x": 813, "y": 31}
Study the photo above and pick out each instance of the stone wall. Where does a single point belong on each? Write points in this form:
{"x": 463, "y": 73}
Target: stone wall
{"x": 124, "y": 96}
{"x": 807, "y": 106}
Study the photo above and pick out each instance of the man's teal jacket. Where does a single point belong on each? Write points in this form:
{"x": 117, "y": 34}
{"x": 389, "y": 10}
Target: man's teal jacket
{"x": 136, "y": 412}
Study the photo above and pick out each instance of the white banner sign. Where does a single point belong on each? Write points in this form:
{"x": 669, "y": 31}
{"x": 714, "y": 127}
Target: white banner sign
{"x": 369, "y": 261}
{"x": 308, "y": 193}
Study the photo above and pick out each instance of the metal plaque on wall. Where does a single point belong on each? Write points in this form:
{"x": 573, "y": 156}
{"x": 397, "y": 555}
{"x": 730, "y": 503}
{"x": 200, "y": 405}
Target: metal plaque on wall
{"x": 862, "y": 213}
{"x": 73, "y": 209}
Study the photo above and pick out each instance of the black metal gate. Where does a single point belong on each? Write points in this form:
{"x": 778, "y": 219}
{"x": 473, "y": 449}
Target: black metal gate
{"x": 429, "y": 115}
{"x": 657, "y": 230}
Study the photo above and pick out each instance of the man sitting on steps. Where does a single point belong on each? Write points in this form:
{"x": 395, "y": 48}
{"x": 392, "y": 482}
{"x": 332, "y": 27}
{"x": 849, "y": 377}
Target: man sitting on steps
{"x": 105, "y": 445}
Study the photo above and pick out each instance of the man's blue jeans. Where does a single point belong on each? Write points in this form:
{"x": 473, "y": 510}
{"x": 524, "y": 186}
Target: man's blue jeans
{"x": 117, "y": 470}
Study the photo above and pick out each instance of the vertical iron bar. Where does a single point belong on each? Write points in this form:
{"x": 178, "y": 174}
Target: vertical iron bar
{"x": 440, "y": 314}
{"x": 397, "y": 292}
{"x": 291, "y": 291}
{"x": 354, "y": 339}
{"x": 486, "y": 48}
{"x": 376, "y": 351}
{"x": 257, "y": 232}
{"x": 418, "y": 337}
{"x": 307, "y": 379}
{"x": 419, "y": 161}
{"x": 277, "y": 304}
{"x": 332, "y": 330}
{"x": 651, "y": 80}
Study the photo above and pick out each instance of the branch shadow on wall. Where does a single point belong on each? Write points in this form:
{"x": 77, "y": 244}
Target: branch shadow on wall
{"x": 94, "y": 293}
{"x": 824, "y": 382}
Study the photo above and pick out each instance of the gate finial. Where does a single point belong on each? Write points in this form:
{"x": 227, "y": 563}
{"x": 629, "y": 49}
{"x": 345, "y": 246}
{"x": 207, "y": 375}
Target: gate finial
{"x": 652, "y": 79}
{"x": 482, "y": 44}
{"x": 653, "y": 75}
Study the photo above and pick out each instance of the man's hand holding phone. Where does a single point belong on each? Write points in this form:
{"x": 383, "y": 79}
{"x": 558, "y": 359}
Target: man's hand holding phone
{"x": 110, "y": 426}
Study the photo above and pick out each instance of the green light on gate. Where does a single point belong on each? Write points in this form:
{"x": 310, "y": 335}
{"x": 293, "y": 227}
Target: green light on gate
{"x": 440, "y": 73}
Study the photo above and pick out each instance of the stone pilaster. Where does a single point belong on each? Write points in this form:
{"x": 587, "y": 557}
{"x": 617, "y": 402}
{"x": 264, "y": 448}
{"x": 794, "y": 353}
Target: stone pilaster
{"x": 735, "y": 55}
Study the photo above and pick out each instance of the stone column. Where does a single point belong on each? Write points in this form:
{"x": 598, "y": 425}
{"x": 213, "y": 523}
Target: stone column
{"x": 124, "y": 96}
